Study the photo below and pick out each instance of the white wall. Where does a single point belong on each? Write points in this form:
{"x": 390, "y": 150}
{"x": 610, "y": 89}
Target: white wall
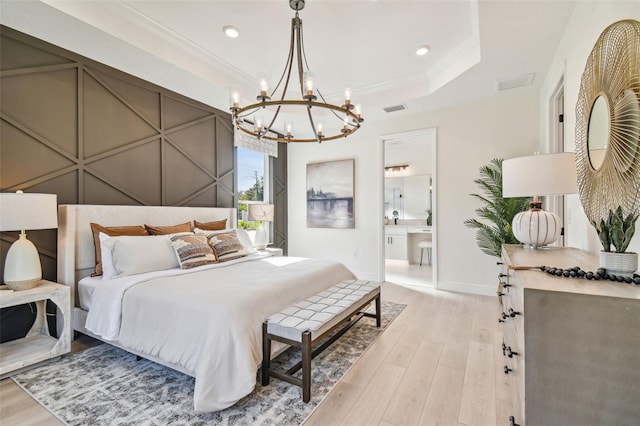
{"x": 587, "y": 23}
{"x": 468, "y": 137}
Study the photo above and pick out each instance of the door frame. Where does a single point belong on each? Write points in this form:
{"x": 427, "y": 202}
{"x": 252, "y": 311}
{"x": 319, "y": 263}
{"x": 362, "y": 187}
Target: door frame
{"x": 425, "y": 133}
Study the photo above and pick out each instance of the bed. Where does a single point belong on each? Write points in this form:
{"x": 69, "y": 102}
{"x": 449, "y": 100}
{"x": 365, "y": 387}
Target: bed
{"x": 205, "y": 321}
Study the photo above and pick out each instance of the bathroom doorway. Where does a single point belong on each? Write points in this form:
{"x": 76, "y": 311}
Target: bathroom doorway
{"x": 409, "y": 254}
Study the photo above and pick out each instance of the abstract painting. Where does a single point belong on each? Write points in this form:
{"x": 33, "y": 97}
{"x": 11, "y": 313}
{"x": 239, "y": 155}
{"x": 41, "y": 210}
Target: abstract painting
{"x": 330, "y": 194}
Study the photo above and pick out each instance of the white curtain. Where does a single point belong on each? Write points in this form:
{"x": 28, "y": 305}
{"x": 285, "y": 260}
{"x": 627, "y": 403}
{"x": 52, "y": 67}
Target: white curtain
{"x": 243, "y": 140}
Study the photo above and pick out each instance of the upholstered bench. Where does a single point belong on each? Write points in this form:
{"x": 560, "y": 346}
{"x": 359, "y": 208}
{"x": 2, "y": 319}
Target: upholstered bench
{"x": 308, "y": 321}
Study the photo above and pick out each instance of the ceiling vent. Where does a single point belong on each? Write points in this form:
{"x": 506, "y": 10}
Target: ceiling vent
{"x": 513, "y": 83}
{"x": 395, "y": 108}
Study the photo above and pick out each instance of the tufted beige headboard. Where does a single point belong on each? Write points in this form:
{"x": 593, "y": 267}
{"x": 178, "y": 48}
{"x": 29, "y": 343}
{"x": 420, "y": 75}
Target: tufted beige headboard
{"x": 76, "y": 258}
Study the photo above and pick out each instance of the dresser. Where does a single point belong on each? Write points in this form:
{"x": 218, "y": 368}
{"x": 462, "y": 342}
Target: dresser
{"x": 571, "y": 346}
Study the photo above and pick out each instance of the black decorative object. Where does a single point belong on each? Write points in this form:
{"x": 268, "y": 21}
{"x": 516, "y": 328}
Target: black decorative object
{"x": 600, "y": 274}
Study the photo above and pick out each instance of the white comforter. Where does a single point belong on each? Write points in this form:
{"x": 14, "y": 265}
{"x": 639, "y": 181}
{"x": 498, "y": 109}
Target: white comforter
{"x": 209, "y": 321}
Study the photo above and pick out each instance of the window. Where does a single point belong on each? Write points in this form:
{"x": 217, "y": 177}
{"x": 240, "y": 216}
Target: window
{"x": 253, "y": 183}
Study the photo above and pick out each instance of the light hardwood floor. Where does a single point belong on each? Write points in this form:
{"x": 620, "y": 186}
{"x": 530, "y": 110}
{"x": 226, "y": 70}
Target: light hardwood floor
{"x": 438, "y": 363}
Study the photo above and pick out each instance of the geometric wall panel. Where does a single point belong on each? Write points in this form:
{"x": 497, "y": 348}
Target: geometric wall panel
{"x": 179, "y": 113}
{"x": 109, "y": 121}
{"x": 97, "y": 191}
{"x": 24, "y": 159}
{"x": 16, "y": 54}
{"x": 47, "y": 101}
{"x": 137, "y": 171}
{"x": 144, "y": 100}
{"x": 179, "y": 185}
{"x": 194, "y": 140}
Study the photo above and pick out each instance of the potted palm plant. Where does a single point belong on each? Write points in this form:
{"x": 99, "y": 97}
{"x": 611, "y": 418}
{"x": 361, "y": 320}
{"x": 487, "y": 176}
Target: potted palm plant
{"x": 616, "y": 232}
{"x": 494, "y": 227}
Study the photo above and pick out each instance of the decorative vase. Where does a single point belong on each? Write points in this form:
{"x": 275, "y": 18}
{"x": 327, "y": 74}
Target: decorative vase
{"x": 624, "y": 264}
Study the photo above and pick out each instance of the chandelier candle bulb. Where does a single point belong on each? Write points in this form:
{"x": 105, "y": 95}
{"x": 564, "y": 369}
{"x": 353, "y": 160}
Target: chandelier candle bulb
{"x": 319, "y": 130}
{"x": 358, "y": 112}
{"x": 289, "y": 129}
{"x": 309, "y": 84}
{"x": 235, "y": 99}
{"x": 263, "y": 87}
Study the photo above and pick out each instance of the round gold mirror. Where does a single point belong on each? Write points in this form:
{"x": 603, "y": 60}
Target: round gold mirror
{"x": 598, "y": 136}
{"x": 608, "y": 123}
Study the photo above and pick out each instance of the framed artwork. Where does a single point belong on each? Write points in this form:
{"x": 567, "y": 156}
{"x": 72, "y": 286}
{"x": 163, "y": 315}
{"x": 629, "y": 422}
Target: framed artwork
{"x": 330, "y": 194}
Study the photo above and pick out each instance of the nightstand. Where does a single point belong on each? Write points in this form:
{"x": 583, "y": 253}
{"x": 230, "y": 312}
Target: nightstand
{"x": 37, "y": 345}
{"x": 274, "y": 251}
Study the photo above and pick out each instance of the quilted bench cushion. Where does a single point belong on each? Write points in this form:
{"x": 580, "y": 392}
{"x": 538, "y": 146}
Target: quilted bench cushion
{"x": 322, "y": 311}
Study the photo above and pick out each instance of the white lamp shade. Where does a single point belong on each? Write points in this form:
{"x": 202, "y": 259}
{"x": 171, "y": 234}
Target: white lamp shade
{"x": 536, "y": 227}
{"x": 261, "y": 212}
{"x": 544, "y": 174}
{"x": 20, "y": 211}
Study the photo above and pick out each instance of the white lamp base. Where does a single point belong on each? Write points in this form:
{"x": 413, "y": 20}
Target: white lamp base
{"x": 22, "y": 269}
{"x": 260, "y": 242}
{"x": 536, "y": 227}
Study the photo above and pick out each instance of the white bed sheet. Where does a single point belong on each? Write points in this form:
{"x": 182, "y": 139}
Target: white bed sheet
{"x": 208, "y": 320}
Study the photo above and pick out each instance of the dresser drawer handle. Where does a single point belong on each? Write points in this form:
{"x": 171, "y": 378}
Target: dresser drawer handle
{"x": 513, "y": 313}
{"x": 505, "y": 285}
{"x": 501, "y": 275}
{"x": 510, "y": 353}
{"x": 512, "y": 421}
{"x": 507, "y": 369}
{"x": 499, "y": 293}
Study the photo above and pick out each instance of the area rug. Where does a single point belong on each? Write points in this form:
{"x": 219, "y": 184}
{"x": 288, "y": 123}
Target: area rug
{"x": 105, "y": 385}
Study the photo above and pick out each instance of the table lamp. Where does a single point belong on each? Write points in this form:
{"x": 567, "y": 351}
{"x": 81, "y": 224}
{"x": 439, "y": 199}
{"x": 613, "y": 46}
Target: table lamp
{"x": 263, "y": 213}
{"x": 544, "y": 174}
{"x": 19, "y": 212}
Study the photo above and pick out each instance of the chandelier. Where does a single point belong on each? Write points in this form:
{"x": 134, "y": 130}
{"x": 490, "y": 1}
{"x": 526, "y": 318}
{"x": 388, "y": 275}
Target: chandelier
{"x": 326, "y": 121}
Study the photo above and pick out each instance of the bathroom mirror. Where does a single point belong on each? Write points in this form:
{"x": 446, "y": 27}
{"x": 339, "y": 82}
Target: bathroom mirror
{"x": 598, "y": 135}
{"x": 608, "y": 123}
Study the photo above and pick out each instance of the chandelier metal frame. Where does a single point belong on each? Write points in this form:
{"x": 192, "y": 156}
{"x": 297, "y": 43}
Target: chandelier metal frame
{"x": 351, "y": 119}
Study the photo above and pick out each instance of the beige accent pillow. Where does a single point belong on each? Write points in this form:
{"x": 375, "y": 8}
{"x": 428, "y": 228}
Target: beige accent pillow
{"x": 112, "y": 231}
{"x": 216, "y": 225}
{"x": 171, "y": 229}
{"x": 192, "y": 250}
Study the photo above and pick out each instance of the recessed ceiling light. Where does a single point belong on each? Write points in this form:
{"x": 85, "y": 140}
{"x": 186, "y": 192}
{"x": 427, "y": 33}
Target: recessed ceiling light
{"x": 231, "y": 32}
{"x": 423, "y": 50}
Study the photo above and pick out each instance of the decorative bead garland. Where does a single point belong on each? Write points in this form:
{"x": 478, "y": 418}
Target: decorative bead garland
{"x": 600, "y": 274}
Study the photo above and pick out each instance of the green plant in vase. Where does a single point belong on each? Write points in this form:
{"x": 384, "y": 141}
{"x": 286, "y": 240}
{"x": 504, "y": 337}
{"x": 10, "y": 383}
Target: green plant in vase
{"x": 617, "y": 231}
{"x": 497, "y": 212}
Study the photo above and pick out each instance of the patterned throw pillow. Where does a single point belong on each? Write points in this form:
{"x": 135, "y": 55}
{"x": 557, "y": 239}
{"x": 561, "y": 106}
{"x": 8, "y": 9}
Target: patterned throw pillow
{"x": 192, "y": 250}
{"x": 226, "y": 246}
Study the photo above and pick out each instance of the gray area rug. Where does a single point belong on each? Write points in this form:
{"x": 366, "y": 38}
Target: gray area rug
{"x": 105, "y": 385}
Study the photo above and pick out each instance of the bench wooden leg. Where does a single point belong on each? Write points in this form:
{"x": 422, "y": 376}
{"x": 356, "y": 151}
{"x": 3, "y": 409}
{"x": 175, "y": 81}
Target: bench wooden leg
{"x": 306, "y": 366}
{"x": 266, "y": 354}
{"x": 378, "y": 312}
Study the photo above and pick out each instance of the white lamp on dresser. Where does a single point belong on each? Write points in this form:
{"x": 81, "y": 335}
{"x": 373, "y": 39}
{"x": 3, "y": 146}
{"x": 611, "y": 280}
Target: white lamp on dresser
{"x": 536, "y": 175}
{"x": 19, "y": 212}
{"x": 263, "y": 213}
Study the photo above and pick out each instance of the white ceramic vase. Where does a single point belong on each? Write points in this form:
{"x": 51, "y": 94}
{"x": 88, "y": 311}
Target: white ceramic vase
{"x": 624, "y": 264}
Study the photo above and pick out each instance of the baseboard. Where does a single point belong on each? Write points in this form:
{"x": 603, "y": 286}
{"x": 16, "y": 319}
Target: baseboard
{"x": 368, "y": 276}
{"x": 482, "y": 290}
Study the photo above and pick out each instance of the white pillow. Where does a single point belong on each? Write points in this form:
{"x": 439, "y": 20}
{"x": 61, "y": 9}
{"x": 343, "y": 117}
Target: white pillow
{"x": 243, "y": 237}
{"x": 139, "y": 254}
{"x": 108, "y": 271}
